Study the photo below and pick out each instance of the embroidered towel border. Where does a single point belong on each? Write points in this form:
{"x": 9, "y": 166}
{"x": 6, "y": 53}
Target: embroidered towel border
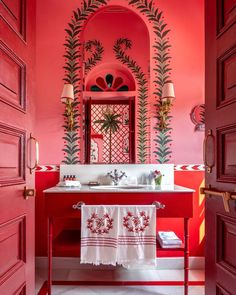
{"x": 99, "y": 231}
{"x": 124, "y": 235}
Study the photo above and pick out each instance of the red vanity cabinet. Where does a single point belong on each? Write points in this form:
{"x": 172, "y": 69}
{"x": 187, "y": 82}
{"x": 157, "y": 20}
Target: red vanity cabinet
{"x": 178, "y": 204}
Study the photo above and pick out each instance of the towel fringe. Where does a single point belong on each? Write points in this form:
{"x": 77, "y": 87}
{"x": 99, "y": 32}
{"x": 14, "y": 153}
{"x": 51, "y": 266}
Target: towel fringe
{"x": 86, "y": 261}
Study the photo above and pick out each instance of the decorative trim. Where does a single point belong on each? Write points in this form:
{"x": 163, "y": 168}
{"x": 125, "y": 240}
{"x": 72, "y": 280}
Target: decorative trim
{"x": 48, "y": 168}
{"x": 96, "y": 49}
{"x": 162, "y": 68}
{"x": 180, "y": 167}
{"x": 143, "y": 149}
{"x": 162, "y": 263}
{"x": 90, "y": 283}
{"x": 190, "y": 167}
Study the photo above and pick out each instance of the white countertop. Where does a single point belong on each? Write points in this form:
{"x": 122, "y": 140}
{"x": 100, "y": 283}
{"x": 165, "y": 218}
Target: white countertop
{"x": 144, "y": 189}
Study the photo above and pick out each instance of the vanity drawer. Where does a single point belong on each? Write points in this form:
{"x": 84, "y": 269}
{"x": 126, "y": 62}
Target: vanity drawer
{"x": 177, "y": 205}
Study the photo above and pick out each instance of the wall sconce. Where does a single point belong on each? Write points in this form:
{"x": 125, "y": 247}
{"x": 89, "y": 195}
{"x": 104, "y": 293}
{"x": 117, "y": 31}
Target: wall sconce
{"x": 67, "y": 97}
{"x": 168, "y": 96}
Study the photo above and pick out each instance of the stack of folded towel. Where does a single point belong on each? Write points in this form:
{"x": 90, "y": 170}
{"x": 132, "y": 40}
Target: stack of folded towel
{"x": 168, "y": 239}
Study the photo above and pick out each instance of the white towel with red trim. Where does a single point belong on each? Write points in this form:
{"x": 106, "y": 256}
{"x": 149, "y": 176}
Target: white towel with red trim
{"x": 124, "y": 235}
{"x": 99, "y": 232}
{"x": 137, "y": 236}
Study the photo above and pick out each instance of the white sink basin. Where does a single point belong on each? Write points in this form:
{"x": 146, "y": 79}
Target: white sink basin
{"x": 117, "y": 187}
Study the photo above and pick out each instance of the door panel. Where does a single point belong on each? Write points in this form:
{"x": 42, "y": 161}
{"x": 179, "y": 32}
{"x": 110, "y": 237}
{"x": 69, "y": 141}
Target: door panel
{"x": 221, "y": 291}
{"x": 226, "y": 14}
{"x": 226, "y": 139}
{"x": 14, "y": 14}
{"x": 12, "y": 236}
{"x": 12, "y": 83}
{"x": 226, "y": 238}
{"x": 16, "y": 123}
{"x": 12, "y": 159}
{"x": 220, "y": 27}
{"x": 226, "y": 69}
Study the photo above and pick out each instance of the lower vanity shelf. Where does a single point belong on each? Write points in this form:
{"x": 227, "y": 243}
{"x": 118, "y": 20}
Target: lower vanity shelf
{"x": 67, "y": 243}
{"x": 62, "y": 204}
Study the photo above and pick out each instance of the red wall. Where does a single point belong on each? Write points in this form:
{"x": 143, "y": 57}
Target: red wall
{"x": 186, "y": 20}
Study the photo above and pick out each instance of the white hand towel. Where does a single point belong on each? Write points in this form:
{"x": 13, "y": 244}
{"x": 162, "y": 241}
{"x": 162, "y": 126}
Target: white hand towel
{"x": 99, "y": 234}
{"x": 137, "y": 236}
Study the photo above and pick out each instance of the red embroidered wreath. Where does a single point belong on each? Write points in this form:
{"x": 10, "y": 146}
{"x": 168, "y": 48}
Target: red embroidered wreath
{"x": 101, "y": 225}
{"x": 136, "y": 223}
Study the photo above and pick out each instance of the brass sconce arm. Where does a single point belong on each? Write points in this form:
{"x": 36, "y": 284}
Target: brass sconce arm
{"x": 168, "y": 95}
{"x": 69, "y": 114}
{"x": 164, "y": 111}
{"x": 67, "y": 97}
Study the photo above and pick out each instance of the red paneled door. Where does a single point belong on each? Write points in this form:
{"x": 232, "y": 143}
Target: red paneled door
{"x": 17, "y": 32}
{"x": 220, "y": 147}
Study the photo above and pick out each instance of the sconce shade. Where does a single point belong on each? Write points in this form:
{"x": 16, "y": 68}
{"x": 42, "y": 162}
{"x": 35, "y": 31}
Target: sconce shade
{"x": 168, "y": 91}
{"x": 67, "y": 92}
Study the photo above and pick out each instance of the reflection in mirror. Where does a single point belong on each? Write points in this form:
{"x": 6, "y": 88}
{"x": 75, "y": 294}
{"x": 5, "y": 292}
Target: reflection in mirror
{"x": 110, "y": 130}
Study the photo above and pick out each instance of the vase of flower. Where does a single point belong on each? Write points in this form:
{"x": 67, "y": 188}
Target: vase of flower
{"x": 157, "y": 178}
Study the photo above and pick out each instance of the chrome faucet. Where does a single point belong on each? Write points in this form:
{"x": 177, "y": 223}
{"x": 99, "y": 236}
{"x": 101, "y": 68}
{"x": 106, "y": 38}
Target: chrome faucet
{"x": 115, "y": 176}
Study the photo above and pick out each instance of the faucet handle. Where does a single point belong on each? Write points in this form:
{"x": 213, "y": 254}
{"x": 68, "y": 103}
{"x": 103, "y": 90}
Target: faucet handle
{"x": 123, "y": 174}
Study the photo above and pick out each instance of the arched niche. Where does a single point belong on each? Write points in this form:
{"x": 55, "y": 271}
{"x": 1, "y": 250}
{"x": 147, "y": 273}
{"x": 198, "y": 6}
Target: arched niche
{"x": 153, "y": 143}
{"x": 107, "y": 74}
{"x": 113, "y": 22}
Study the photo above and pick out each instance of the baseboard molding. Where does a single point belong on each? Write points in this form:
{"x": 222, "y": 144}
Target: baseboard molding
{"x": 162, "y": 263}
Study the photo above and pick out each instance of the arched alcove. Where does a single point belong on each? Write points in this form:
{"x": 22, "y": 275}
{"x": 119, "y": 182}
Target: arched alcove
{"x": 112, "y": 22}
{"x": 102, "y": 31}
{"x": 104, "y": 72}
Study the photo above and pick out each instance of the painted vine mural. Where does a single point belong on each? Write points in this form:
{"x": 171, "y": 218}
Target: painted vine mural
{"x": 73, "y": 69}
{"x": 162, "y": 56}
{"x": 96, "y": 49}
{"x": 142, "y": 111}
